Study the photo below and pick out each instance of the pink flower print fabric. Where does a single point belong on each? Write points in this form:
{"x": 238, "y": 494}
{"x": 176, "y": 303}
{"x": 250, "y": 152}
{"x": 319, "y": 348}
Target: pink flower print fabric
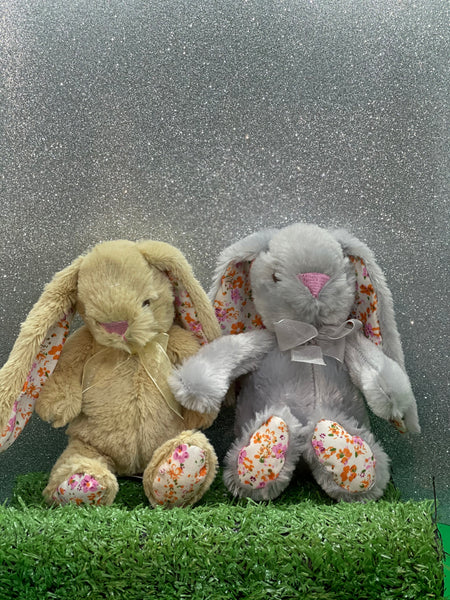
{"x": 180, "y": 476}
{"x": 366, "y": 302}
{"x": 185, "y": 312}
{"x": 348, "y": 458}
{"x": 40, "y": 371}
{"x": 80, "y": 488}
{"x": 233, "y": 304}
{"x": 261, "y": 461}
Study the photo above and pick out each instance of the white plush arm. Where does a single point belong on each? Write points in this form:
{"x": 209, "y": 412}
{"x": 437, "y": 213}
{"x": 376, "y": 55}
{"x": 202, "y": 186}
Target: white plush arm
{"x": 203, "y": 380}
{"x": 383, "y": 382}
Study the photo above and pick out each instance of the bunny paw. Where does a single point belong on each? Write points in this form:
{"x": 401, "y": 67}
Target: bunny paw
{"x": 261, "y": 461}
{"x": 80, "y": 488}
{"x": 58, "y": 410}
{"x": 348, "y": 458}
{"x": 181, "y": 476}
{"x": 388, "y": 393}
{"x": 197, "y": 389}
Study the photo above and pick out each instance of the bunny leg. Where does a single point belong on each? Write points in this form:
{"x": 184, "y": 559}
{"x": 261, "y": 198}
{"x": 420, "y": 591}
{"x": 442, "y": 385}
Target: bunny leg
{"x": 262, "y": 460}
{"x": 180, "y": 471}
{"x": 82, "y": 476}
{"x": 345, "y": 459}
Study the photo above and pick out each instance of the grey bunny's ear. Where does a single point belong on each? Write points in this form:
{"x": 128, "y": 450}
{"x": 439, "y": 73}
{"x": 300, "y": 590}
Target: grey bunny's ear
{"x": 231, "y": 290}
{"x": 36, "y": 352}
{"x": 373, "y": 299}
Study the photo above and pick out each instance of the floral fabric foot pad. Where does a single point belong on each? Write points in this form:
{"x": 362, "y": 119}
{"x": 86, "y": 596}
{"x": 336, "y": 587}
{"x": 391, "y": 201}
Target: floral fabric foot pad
{"x": 180, "y": 476}
{"x": 261, "y": 461}
{"x": 347, "y": 457}
{"x": 80, "y": 488}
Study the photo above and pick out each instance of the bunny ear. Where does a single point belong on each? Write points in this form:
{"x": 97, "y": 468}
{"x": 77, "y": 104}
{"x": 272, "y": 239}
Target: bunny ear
{"x": 231, "y": 290}
{"x": 36, "y": 352}
{"x": 373, "y": 300}
{"x": 193, "y": 310}
{"x": 41, "y": 369}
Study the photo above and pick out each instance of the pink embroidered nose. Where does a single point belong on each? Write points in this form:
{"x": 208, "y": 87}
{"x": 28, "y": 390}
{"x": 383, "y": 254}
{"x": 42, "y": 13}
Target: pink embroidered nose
{"x": 118, "y": 327}
{"x": 313, "y": 281}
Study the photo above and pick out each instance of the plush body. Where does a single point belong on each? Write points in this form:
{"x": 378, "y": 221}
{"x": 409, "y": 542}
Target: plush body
{"x": 305, "y": 362}
{"x": 110, "y": 384}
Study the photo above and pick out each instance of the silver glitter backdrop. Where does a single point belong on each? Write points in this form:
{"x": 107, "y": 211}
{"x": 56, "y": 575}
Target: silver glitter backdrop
{"x": 198, "y": 122}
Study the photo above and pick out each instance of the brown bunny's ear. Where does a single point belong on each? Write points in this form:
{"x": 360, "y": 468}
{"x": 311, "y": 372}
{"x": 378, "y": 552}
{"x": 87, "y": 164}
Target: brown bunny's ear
{"x": 36, "y": 352}
{"x": 193, "y": 310}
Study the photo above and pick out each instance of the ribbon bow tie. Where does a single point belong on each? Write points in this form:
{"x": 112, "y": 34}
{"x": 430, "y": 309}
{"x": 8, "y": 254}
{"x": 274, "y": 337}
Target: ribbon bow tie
{"x": 307, "y": 344}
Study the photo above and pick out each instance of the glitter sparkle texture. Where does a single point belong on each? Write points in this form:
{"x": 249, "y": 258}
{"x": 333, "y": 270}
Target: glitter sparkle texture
{"x": 200, "y": 122}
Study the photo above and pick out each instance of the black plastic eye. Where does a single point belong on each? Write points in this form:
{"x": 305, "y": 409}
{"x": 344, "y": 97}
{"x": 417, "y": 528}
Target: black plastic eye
{"x": 275, "y": 278}
{"x": 146, "y": 303}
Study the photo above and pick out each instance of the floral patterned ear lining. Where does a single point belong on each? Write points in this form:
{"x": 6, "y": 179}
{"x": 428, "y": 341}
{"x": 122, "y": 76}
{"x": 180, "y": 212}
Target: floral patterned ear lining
{"x": 236, "y": 312}
{"x": 366, "y": 302}
{"x": 185, "y": 313}
{"x": 42, "y": 367}
{"x": 234, "y": 306}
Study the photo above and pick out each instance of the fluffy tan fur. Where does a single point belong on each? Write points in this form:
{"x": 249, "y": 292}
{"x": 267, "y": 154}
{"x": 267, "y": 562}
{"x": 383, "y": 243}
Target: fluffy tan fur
{"x": 119, "y": 422}
{"x": 58, "y": 296}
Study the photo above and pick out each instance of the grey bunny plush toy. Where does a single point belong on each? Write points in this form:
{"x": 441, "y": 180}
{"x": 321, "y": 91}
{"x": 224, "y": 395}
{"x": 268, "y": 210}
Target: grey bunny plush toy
{"x": 316, "y": 334}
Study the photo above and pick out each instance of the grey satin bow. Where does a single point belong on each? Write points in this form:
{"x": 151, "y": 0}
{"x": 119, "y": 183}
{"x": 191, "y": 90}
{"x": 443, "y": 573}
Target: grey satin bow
{"x": 307, "y": 344}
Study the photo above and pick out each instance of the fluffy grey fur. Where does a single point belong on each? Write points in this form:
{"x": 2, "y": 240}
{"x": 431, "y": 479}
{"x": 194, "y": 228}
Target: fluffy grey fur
{"x": 383, "y": 382}
{"x": 303, "y": 393}
{"x": 295, "y": 250}
{"x": 201, "y": 384}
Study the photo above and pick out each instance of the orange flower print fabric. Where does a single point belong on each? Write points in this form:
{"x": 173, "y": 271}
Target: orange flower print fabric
{"x": 347, "y": 457}
{"x": 233, "y": 304}
{"x": 180, "y": 476}
{"x": 40, "y": 371}
{"x": 185, "y": 312}
{"x": 366, "y": 302}
{"x": 80, "y": 488}
{"x": 261, "y": 461}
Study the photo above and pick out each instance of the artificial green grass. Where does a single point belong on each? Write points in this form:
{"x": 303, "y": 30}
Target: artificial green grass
{"x": 444, "y": 531}
{"x": 301, "y": 546}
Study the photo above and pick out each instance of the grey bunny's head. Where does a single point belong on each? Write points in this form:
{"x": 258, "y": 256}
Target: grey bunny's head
{"x": 303, "y": 275}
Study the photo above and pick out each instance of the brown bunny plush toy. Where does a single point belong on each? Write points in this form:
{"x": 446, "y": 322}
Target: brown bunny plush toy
{"x": 143, "y": 312}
